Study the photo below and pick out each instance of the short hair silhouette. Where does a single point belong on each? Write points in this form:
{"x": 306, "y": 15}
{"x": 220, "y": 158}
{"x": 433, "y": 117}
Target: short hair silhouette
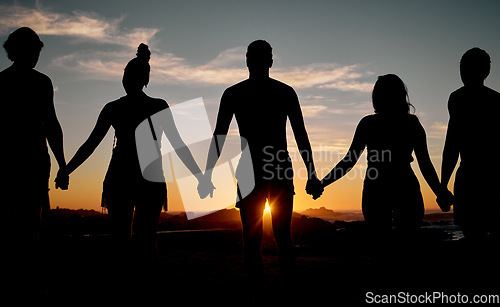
{"x": 475, "y": 65}
{"x": 22, "y": 43}
{"x": 390, "y": 95}
{"x": 259, "y": 53}
{"x": 138, "y": 68}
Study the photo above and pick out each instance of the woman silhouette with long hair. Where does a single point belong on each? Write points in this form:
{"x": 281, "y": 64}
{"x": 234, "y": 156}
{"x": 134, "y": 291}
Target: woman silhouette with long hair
{"x": 391, "y": 189}
{"x": 128, "y": 196}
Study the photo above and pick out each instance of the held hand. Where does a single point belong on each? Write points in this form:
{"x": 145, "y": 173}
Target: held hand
{"x": 62, "y": 179}
{"x": 445, "y": 200}
{"x": 314, "y": 188}
{"x": 205, "y": 187}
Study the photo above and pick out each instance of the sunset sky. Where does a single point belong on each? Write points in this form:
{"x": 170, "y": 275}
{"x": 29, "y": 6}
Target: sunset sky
{"x": 330, "y": 52}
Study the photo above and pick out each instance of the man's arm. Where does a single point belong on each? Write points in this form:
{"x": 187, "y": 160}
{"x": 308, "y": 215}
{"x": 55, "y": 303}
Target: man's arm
{"x": 53, "y": 129}
{"x": 224, "y": 117}
{"x": 313, "y": 185}
{"x": 300, "y": 133}
{"x": 451, "y": 150}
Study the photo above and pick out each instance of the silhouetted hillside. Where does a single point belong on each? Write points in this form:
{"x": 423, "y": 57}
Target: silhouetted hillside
{"x": 320, "y": 212}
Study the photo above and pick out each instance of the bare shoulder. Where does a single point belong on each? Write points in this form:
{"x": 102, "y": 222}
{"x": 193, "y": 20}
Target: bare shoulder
{"x": 157, "y": 103}
{"x": 492, "y": 93}
{"x": 237, "y": 88}
{"x": 282, "y": 86}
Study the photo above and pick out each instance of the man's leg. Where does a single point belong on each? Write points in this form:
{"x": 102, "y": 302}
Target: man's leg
{"x": 251, "y": 220}
{"x": 281, "y": 212}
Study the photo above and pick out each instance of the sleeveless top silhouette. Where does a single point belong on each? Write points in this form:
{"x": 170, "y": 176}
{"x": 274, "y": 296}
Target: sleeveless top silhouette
{"x": 26, "y": 97}
{"x": 390, "y": 183}
{"x": 389, "y": 140}
{"x": 124, "y": 178}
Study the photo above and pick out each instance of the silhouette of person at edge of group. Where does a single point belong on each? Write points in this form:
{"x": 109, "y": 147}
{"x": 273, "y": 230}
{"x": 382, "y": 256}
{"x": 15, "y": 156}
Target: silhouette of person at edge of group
{"x": 391, "y": 189}
{"x": 473, "y": 125}
{"x": 261, "y": 106}
{"x": 26, "y": 97}
{"x": 124, "y": 188}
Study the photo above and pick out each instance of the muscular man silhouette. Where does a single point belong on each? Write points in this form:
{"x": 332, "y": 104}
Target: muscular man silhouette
{"x": 472, "y": 134}
{"x": 261, "y": 106}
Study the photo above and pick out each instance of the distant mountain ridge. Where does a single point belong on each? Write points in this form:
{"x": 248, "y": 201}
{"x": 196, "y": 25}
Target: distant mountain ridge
{"x": 322, "y": 211}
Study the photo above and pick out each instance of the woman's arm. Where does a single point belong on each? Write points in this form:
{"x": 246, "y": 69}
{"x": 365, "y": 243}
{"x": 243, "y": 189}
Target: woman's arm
{"x": 172, "y": 134}
{"x": 424, "y": 160}
{"x": 352, "y": 156}
{"x": 444, "y": 197}
{"x": 96, "y": 136}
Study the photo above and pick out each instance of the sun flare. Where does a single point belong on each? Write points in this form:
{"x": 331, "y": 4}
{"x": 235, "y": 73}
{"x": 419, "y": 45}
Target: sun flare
{"x": 267, "y": 210}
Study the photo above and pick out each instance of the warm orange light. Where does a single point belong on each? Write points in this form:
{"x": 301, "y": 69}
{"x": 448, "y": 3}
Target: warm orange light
{"x": 267, "y": 210}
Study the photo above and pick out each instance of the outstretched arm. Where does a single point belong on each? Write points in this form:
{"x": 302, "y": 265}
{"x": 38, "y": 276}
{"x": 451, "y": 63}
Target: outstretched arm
{"x": 224, "y": 118}
{"x": 424, "y": 161}
{"x": 178, "y": 144}
{"x": 428, "y": 171}
{"x": 98, "y": 133}
{"x": 350, "y": 159}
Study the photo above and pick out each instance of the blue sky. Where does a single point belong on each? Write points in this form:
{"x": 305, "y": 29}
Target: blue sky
{"x": 331, "y": 52}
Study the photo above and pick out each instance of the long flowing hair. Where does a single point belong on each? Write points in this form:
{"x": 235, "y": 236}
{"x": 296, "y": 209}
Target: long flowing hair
{"x": 390, "y": 95}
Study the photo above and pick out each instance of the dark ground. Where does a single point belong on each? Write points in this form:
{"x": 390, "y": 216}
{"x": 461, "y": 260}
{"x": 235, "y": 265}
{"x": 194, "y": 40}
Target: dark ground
{"x": 336, "y": 266}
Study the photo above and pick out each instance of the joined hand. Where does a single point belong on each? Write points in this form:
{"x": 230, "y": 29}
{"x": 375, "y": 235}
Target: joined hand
{"x": 62, "y": 179}
{"x": 205, "y": 187}
{"x": 314, "y": 188}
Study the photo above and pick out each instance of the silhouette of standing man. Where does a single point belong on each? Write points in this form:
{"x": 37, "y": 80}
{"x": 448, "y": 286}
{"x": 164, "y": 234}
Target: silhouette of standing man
{"x": 472, "y": 134}
{"x": 261, "y": 106}
{"x": 29, "y": 121}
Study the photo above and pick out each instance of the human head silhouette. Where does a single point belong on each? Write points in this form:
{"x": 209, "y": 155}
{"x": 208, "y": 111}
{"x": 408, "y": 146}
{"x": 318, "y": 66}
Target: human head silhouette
{"x": 23, "y": 47}
{"x": 475, "y": 66}
{"x": 390, "y": 95}
{"x": 136, "y": 73}
{"x": 259, "y": 57}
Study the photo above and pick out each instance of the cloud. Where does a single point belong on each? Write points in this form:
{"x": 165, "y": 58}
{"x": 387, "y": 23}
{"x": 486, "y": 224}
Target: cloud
{"x": 225, "y": 69}
{"x": 86, "y": 26}
{"x": 437, "y": 130}
{"x": 327, "y": 76}
{"x": 309, "y": 111}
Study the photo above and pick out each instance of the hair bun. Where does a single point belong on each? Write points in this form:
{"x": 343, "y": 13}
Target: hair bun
{"x": 143, "y": 52}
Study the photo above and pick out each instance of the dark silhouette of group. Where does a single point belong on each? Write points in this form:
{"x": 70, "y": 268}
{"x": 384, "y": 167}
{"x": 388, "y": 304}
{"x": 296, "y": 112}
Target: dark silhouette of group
{"x": 391, "y": 191}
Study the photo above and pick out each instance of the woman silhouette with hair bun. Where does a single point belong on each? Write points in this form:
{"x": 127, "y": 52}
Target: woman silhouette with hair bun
{"x": 391, "y": 189}
{"x": 127, "y": 195}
